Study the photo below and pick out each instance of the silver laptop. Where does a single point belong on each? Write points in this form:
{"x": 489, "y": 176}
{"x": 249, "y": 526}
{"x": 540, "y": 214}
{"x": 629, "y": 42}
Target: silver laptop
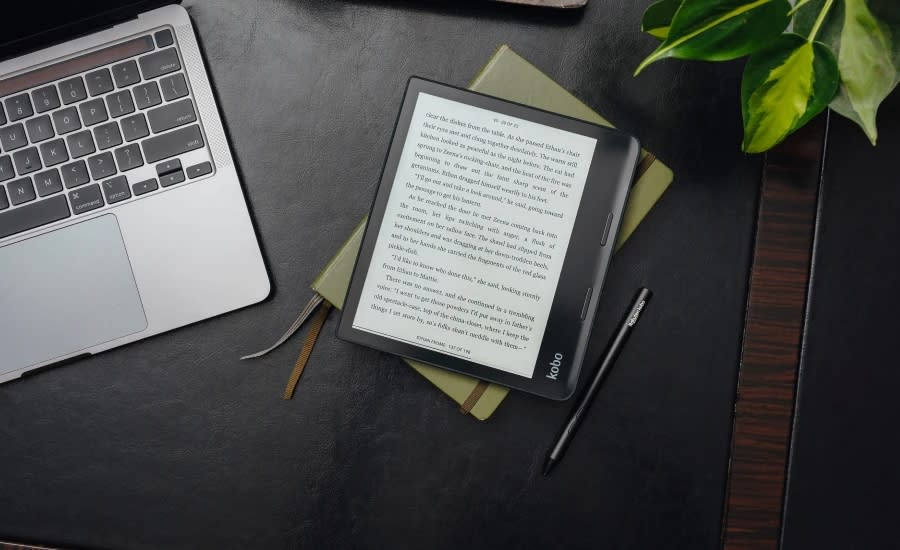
{"x": 121, "y": 212}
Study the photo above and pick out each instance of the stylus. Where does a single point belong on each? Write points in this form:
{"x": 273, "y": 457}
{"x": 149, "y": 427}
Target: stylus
{"x": 587, "y": 396}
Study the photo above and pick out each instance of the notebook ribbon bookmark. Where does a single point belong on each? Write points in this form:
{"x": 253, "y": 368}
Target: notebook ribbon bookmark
{"x": 306, "y": 351}
{"x": 295, "y": 326}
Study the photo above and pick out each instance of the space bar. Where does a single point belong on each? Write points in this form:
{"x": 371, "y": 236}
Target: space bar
{"x": 34, "y": 215}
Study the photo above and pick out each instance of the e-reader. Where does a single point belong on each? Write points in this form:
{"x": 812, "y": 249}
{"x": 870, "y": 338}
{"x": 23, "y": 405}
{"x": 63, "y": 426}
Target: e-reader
{"x": 489, "y": 238}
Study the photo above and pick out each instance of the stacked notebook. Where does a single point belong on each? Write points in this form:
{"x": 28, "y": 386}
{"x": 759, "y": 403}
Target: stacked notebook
{"x": 507, "y": 75}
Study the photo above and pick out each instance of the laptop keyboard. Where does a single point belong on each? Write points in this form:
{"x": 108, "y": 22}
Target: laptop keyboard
{"x": 95, "y": 131}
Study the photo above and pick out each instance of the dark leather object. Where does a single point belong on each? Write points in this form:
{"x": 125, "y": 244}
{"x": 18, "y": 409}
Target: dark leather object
{"x": 843, "y": 478}
{"x": 172, "y": 442}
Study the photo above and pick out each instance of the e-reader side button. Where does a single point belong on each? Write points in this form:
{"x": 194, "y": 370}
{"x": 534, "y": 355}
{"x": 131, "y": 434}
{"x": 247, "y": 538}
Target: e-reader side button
{"x": 86, "y": 199}
{"x": 587, "y": 301}
{"x": 606, "y": 227}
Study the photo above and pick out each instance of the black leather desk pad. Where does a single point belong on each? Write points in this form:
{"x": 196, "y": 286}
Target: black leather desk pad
{"x": 843, "y": 478}
{"x": 174, "y": 442}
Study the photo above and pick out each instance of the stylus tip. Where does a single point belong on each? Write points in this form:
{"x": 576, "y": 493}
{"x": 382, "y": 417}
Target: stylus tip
{"x": 548, "y": 465}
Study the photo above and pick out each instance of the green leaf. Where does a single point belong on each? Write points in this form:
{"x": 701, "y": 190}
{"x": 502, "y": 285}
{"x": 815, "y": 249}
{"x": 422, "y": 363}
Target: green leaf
{"x": 867, "y": 46}
{"x": 718, "y": 30}
{"x": 807, "y": 14}
{"x": 658, "y": 18}
{"x": 784, "y": 86}
{"x": 868, "y": 72}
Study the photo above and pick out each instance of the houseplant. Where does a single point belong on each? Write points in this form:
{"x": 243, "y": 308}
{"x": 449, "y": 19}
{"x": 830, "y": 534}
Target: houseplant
{"x": 804, "y": 55}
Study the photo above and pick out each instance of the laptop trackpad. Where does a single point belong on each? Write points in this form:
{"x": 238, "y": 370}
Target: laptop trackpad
{"x": 66, "y": 291}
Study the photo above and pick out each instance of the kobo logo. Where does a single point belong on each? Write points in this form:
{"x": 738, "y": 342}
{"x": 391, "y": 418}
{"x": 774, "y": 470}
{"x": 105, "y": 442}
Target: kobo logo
{"x": 554, "y": 366}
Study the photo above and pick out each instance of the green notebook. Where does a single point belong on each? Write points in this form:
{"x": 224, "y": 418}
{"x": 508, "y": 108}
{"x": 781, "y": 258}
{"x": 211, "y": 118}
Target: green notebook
{"x": 507, "y": 75}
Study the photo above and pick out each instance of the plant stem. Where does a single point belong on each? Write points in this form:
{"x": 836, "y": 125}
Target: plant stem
{"x": 819, "y": 20}
{"x": 797, "y": 7}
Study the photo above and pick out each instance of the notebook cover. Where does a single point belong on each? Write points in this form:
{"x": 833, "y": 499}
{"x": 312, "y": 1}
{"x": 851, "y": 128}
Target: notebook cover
{"x": 507, "y": 75}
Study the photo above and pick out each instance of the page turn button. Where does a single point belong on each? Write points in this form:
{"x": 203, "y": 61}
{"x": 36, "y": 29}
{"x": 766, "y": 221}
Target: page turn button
{"x": 606, "y": 227}
{"x": 587, "y": 300}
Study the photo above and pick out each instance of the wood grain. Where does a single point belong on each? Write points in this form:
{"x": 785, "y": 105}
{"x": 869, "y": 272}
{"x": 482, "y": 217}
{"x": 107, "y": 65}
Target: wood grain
{"x": 773, "y": 333}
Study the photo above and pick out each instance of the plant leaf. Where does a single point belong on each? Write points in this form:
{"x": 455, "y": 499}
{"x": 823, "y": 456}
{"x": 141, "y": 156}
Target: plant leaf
{"x": 718, "y": 30}
{"x": 867, "y": 46}
{"x": 784, "y": 86}
{"x": 810, "y": 10}
{"x": 658, "y": 18}
{"x": 868, "y": 73}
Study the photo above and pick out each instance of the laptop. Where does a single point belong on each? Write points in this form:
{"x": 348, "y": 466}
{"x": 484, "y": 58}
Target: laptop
{"x": 121, "y": 211}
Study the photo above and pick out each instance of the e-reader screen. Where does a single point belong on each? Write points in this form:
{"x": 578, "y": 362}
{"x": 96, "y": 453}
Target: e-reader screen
{"x": 471, "y": 246}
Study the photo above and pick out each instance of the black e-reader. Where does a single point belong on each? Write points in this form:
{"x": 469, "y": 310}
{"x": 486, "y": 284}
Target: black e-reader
{"x": 489, "y": 238}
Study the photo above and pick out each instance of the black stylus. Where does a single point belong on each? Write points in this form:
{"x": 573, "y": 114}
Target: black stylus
{"x": 609, "y": 357}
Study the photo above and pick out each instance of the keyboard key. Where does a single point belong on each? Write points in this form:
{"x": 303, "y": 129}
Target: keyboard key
{"x": 48, "y": 183}
{"x": 6, "y": 168}
{"x": 171, "y": 179}
{"x": 18, "y": 107}
{"x": 167, "y": 167}
{"x": 13, "y": 137}
{"x": 72, "y": 90}
{"x": 75, "y": 174}
{"x": 129, "y": 157}
{"x": 159, "y": 63}
{"x": 101, "y": 166}
{"x": 173, "y": 143}
{"x": 39, "y": 128}
{"x": 27, "y": 161}
{"x": 107, "y": 135}
{"x": 144, "y": 187}
{"x": 98, "y": 82}
{"x": 80, "y": 144}
{"x": 4, "y": 203}
{"x": 33, "y": 215}
{"x": 163, "y": 38}
{"x": 134, "y": 127}
{"x": 86, "y": 199}
{"x": 54, "y": 152}
{"x": 126, "y": 74}
{"x": 146, "y": 95}
{"x": 45, "y": 98}
{"x": 2, "y": 116}
{"x": 120, "y": 103}
{"x": 20, "y": 191}
{"x": 171, "y": 115}
{"x": 93, "y": 112}
{"x": 66, "y": 120}
{"x": 173, "y": 87}
{"x": 116, "y": 190}
{"x": 198, "y": 170}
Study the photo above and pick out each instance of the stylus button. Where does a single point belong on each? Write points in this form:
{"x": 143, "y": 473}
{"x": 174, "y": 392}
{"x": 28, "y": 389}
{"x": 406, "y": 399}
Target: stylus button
{"x": 587, "y": 300}
{"x": 606, "y": 227}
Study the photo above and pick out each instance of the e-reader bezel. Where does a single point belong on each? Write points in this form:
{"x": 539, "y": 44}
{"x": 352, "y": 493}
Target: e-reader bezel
{"x": 584, "y": 268}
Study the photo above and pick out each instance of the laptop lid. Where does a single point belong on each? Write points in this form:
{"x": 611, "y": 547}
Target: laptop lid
{"x": 33, "y": 25}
